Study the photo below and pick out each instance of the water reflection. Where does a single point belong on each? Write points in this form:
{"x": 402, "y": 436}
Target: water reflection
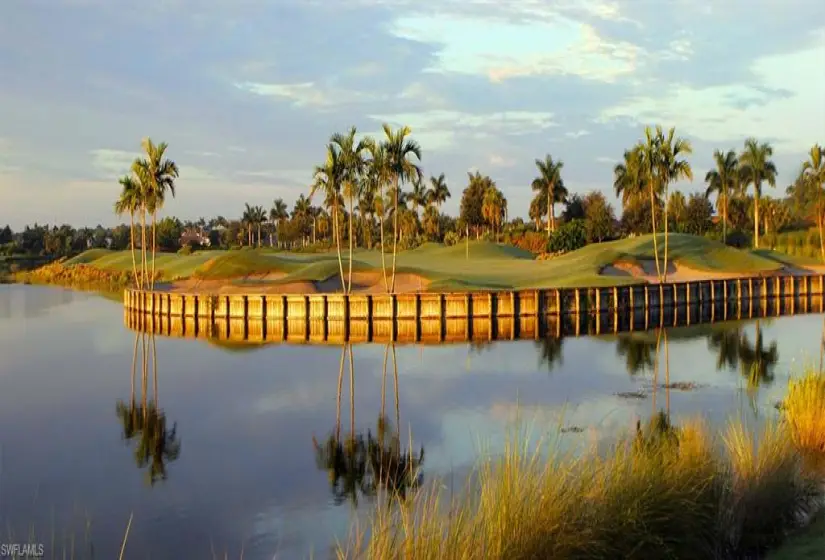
{"x": 142, "y": 421}
{"x": 361, "y": 464}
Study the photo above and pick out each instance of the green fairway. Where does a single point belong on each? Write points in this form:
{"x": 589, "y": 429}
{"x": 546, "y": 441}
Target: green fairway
{"x": 483, "y": 265}
{"x": 809, "y": 544}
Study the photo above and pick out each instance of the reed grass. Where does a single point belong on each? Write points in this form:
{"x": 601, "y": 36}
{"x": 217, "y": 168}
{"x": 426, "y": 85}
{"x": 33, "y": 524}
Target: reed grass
{"x": 663, "y": 492}
{"x": 804, "y": 410}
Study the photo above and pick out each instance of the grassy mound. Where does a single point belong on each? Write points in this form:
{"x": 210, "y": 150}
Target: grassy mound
{"x": 88, "y": 257}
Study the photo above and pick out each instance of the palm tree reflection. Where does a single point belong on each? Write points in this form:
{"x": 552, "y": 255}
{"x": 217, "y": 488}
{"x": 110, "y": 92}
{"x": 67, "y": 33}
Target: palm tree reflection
{"x": 550, "y": 351}
{"x": 144, "y": 421}
{"x": 638, "y": 353}
{"x": 755, "y": 359}
{"x": 362, "y": 465}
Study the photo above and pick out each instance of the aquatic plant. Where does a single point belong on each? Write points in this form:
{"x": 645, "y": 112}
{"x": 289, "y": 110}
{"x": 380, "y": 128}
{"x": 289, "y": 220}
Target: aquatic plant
{"x": 804, "y": 410}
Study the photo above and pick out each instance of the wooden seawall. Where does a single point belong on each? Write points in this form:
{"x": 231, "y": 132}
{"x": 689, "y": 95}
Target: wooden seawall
{"x": 434, "y": 317}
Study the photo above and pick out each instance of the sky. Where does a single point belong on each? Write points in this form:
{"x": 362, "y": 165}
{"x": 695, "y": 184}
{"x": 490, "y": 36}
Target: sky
{"x": 247, "y": 92}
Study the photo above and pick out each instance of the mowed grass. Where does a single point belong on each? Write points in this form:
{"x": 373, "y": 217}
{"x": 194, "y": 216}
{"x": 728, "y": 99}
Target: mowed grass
{"x": 481, "y": 265}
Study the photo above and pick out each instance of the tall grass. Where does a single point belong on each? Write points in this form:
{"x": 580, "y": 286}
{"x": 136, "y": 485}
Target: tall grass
{"x": 804, "y": 410}
{"x": 665, "y": 492}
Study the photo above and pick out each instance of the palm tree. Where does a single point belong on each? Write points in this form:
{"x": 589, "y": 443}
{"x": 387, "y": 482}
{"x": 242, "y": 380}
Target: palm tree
{"x": 160, "y": 174}
{"x": 277, "y": 214}
{"x": 378, "y": 175}
{"x": 757, "y": 361}
{"x": 129, "y": 201}
{"x": 248, "y": 218}
{"x": 629, "y": 181}
{"x": 722, "y": 180}
{"x": 438, "y": 192}
{"x": 352, "y": 158}
{"x": 548, "y": 182}
{"x": 757, "y": 168}
{"x": 813, "y": 172}
{"x": 671, "y": 169}
{"x": 418, "y": 195}
{"x": 328, "y": 178}
{"x": 258, "y": 217}
{"x": 493, "y": 207}
{"x": 401, "y": 169}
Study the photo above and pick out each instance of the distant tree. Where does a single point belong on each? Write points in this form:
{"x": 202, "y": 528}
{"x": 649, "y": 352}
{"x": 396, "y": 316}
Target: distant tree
{"x": 677, "y": 207}
{"x": 698, "y": 214}
{"x": 723, "y": 180}
{"x": 574, "y": 208}
{"x": 169, "y": 230}
{"x": 636, "y": 217}
{"x": 599, "y": 217}
{"x": 6, "y": 235}
{"x": 813, "y": 177}
{"x": 472, "y": 200}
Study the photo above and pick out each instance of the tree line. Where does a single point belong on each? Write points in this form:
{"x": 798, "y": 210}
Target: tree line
{"x": 372, "y": 193}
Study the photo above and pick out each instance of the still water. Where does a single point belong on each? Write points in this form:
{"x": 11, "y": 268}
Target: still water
{"x": 239, "y": 434}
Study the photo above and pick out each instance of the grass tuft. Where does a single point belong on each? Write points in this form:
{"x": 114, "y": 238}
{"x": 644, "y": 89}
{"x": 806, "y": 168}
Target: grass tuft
{"x": 804, "y": 411}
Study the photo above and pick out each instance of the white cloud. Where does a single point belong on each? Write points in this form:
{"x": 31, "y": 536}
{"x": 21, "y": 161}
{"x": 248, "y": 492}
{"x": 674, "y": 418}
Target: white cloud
{"x": 502, "y": 49}
{"x": 501, "y": 161}
{"x": 111, "y": 164}
{"x": 307, "y": 94}
{"x": 438, "y": 129}
{"x": 725, "y": 112}
{"x": 577, "y": 133}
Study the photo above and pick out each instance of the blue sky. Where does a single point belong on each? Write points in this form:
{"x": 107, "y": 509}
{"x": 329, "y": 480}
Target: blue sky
{"x": 247, "y": 92}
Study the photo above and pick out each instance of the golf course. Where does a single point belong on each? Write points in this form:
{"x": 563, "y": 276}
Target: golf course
{"x": 434, "y": 267}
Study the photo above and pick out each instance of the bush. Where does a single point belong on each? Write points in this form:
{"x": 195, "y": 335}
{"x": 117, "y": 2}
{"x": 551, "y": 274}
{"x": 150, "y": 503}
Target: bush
{"x": 451, "y": 238}
{"x": 804, "y": 411}
{"x": 568, "y": 237}
{"x": 185, "y": 250}
{"x": 532, "y": 241}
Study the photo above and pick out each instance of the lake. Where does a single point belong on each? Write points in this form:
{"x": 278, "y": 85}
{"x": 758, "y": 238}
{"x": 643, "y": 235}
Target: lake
{"x": 237, "y": 424}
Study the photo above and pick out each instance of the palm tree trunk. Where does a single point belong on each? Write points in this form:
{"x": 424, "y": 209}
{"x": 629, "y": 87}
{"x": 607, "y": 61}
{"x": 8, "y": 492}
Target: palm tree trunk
{"x": 664, "y": 265}
{"x": 154, "y": 237}
{"x": 725, "y": 215}
{"x": 143, "y": 245}
{"x": 349, "y": 287}
{"x": 338, "y": 243}
{"x": 259, "y": 235}
{"x": 756, "y": 217}
{"x": 549, "y": 211}
{"x": 383, "y": 258}
{"x": 653, "y": 227}
{"x": 394, "y": 233}
{"x": 820, "y": 223}
{"x": 132, "y": 244}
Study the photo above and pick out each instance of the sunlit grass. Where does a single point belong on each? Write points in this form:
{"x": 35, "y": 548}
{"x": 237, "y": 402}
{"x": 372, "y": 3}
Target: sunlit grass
{"x": 804, "y": 411}
{"x": 665, "y": 492}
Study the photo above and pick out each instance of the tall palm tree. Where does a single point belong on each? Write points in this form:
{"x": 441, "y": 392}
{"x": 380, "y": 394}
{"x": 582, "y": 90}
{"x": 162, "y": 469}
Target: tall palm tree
{"x": 379, "y": 174}
{"x": 629, "y": 181}
{"x": 548, "y": 182}
{"x": 437, "y": 194}
{"x": 129, "y": 201}
{"x": 399, "y": 148}
{"x": 352, "y": 156}
{"x": 366, "y": 209}
{"x": 757, "y": 168}
{"x": 813, "y": 172}
{"x": 671, "y": 168}
{"x": 329, "y": 178}
{"x": 248, "y": 219}
{"x": 160, "y": 174}
{"x": 418, "y": 196}
{"x": 722, "y": 180}
{"x": 493, "y": 206}
{"x": 277, "y": 215}
{"x": 259, "y": 217}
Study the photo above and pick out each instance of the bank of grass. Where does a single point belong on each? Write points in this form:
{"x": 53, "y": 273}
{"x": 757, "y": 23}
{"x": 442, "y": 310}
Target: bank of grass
{"x": 804, "y": 409}
{"x": 663, "y": 492}
{"x": 476, "y": 266}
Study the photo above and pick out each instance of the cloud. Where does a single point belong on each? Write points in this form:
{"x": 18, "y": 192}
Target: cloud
{"x": 577, "y": 133}
{"x": 307, "y": 94}
{"x": 501, "y": 49}
{"x": 785, "y": 105}
{"x": 501, "y": 161}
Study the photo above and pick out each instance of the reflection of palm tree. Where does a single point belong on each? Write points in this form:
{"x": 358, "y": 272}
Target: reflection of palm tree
{"x": 757, "y": 362}
{"x": 361, "y": 465}
{"x": 637, "y": 352}
{"x": 728, "y": 345}
{"x": 157, "y": 445}
{"x": 550, "y": 351}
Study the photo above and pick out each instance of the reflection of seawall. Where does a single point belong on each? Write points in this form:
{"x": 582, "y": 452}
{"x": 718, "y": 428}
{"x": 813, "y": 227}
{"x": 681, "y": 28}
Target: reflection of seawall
{"x": 461, "y": 329}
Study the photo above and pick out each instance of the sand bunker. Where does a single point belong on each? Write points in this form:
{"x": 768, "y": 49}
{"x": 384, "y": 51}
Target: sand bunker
{"x": 362, "y": 283}
{"x": 646, "y": 270}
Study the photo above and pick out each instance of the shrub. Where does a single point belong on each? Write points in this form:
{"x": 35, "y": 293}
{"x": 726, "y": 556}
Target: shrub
{"x": 532, "y": 241}
{"x": 568, "y": 237}
{"x": 804, "y": 411}
{"x": 185, "y": 250}
{"x": 451, "y": 238}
